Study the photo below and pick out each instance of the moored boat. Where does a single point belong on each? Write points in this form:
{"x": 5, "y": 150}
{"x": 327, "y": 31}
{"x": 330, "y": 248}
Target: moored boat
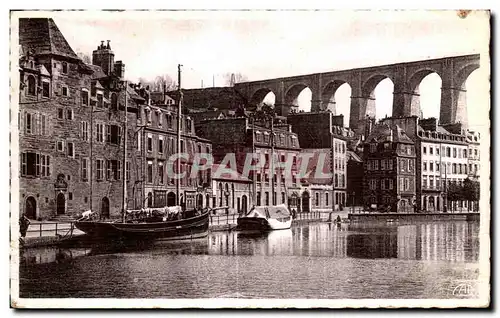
{"x": 266, "y": 218}
{"x": 192, "y": 224}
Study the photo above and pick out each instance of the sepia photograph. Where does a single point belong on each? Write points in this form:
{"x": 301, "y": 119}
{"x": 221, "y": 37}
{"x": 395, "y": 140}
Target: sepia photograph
{"x": 250, "y": 159}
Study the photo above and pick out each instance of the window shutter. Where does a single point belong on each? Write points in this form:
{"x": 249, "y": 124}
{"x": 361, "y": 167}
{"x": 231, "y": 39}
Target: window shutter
{"x": 37, "y": 173}
{"x": 23, "y": 163}
{"x": 119, "y": 170}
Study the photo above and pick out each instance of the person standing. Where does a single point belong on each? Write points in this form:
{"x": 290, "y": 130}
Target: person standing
{"x": 24, "y": 223}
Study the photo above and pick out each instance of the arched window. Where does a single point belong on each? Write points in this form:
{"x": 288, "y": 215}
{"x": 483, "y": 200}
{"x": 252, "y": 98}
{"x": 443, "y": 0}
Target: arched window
{"x": 114, "y": 101}
{"x": 31, "y": 85}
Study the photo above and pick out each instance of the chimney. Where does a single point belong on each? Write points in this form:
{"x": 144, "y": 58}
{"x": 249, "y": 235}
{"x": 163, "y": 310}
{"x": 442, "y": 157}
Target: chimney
{"x": 119, "y": 69}
{"x": 104, "y": 58}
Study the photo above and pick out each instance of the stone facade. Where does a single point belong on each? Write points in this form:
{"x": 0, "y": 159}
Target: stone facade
{"x": 59, "y": 100}
{"x": 157, "y": 142}
{"x": 232, "y": 190}
{"x": 389, "y": 167}
{"x": 234, "y": 135}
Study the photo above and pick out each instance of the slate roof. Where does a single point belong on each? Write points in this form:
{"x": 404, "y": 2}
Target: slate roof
{"x": 98, "y": 72}
{"x": 383, "y": 132}
{"x": 42, "y": 36}
{"x": 228, "y": 176}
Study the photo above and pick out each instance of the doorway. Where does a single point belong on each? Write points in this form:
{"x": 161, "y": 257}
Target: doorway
{"x": 305, "y": 202}
{"x": 105, "y": 208}
{"x": 61, "y": 204}
{"x": 30, "y": 208}
{"x": 171, "y": 199}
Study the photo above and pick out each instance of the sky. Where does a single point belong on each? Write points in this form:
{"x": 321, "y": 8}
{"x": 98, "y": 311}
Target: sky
{"x": 270, "y": 44}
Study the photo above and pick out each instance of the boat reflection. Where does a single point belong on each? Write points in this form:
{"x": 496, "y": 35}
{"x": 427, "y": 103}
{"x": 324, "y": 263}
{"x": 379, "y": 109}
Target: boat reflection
{"x": 47, "y": 255}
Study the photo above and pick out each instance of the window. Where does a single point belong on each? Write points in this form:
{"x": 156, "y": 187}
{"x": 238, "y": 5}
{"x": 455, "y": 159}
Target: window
{"x": 425, "y": 166}
{"x": 407, "y": 184}
{"x": 85, "y": 131}
{"x": 375, "y": 165}
{"x": 464, "y": 153}
{"x": 65, "y": 68}
{"x": 85, "y": 169}
{"x": 34, "y": 164}
{"x": 258, "y": 199}
{"x": 31, "y": 85}
{"x": 85, "y": 97}
{"x": 431, "y": 166}
{"x": 431, "y": 150}
{"x": 182, "y": 146}
{"x": 69, "y": 114}
{"x": 28, "y": 123}
{"x": 283, "y": 198}
{"x": 391, "y": 184}
{"x": 437, "y": 151}
{"x": 475, "y": 152}
{"x": 65, "y": 91}
{"x": 70, "y": 149}
{"x": 267, "y": 198}
{"x": 60, "y": 146}
{"x": 100, "y": 101}
{"x": 100, "y": 169}
{"x": 114, "y": 134}
{"x": 45, "y": 89}
{"x": 127, "y": 170}
{"x": 373, "y": 184}
{"x": 424, "y": 150}
{"x": 114, "y": 170}
{"x": 60, "y": 113}
{"x": 150, "y": 142}
{"x": 258, "y": 176}
{"x": 475, "y": 168}
{"x": 150, "y": 172}
{"x": 43, "y": 125}
{"x": 454, "y": 168}
{"x": 448, "y": 152}
{"x": 160, "y": 144}
{"x": 424, "y": 182}
{"x": 100, "y": 132}
{"x": 114, "y": 101}
{"x": 316, "y": 203}
{"x": 373, "y": 147}
{"x": 160, "y": 172}
{"x": 454, "y": 152}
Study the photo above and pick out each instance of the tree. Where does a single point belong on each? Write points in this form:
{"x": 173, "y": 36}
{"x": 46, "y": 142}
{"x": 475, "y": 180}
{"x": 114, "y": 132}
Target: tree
{"x": 84, "y": 57}
{"x": 454, "y": 193}
{"x": 234, "y": 78}
{"x": 471, "y": 190}
{"x": 166, "y": 81}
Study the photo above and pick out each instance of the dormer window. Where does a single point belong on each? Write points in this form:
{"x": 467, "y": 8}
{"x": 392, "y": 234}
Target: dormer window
{"x": 31, "y": 85}
{"x": 46, "y": 88}
{"x": 100, "y": 100}
{"x": 160, "y": 118}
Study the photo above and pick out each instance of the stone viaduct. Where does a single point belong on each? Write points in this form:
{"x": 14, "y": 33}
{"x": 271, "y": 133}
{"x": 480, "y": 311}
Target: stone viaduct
{"x": 406, "y": 78}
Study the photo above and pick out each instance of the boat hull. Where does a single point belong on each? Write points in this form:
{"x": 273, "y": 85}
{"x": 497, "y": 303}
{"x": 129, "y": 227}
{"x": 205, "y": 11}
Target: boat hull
{"x": 191, "y": 228}
{"x": 262, "y": 224}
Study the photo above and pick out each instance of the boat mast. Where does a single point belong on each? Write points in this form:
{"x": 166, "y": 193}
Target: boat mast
{"x": 273, "y": 196}
{"x": 254, "y": 184}
{"x": 124, "y": 165}
{"x": 179, "y": 122}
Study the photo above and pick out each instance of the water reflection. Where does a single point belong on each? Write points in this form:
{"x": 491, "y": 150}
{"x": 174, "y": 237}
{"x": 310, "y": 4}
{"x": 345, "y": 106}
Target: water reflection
{"x": 456, "y": 241}
{"x": 311, "y": 261}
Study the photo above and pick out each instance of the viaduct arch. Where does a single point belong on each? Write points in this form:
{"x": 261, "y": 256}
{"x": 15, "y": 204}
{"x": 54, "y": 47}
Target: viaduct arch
{"x": 406, "y": 77}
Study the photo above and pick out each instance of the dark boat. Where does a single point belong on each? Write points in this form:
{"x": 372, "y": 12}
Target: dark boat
{"x": 151, "y": 229}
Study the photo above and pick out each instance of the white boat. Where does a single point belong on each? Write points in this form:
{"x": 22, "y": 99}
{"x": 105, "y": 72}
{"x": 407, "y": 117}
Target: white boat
{"x": 266, "y": 218}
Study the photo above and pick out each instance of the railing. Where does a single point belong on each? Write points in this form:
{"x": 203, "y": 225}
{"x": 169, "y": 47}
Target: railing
{"x": 49, "y": 229}
{"x": 223, "y": 219}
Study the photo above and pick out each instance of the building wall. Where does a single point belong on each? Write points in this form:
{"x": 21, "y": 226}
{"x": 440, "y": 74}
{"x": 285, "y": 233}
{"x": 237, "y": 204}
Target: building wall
{"x": 232, "y": 194}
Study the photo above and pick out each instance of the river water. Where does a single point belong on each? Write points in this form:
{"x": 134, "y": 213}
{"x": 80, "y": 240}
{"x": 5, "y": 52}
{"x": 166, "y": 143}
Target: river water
{"x": 422, "y": 260}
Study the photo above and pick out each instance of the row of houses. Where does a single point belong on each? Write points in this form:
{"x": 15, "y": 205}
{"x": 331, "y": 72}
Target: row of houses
{"x": 74, "y": 120}
{"x": 75, "y": 117}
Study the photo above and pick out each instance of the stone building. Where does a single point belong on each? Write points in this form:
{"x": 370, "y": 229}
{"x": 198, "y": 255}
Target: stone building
{"x": 473, "y": 140}
{"x": 389, "y": 167}
{"x": 61, "y": 100}
{"x": 322, "y": 132}
{"x": 231, "y": 190}
{"x": 157, "y": 142}
{"x": 441, "y": 155}
{"x": 238, "y": 136}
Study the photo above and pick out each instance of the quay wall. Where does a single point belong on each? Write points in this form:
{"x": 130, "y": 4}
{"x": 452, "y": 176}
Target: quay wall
{"x": 375, "y": 217}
